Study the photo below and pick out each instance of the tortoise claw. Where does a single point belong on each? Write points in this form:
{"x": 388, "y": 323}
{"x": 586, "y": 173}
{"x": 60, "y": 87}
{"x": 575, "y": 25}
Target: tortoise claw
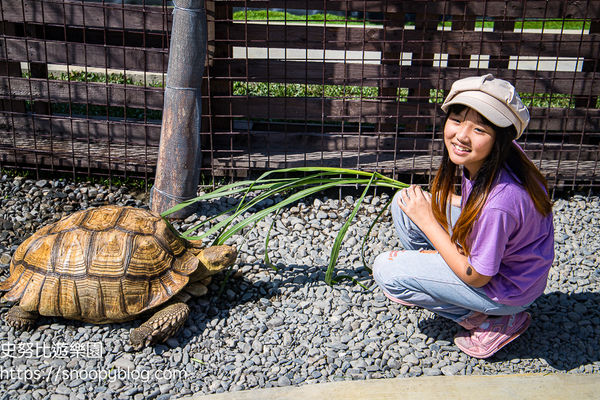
{"x": 20, "y": 319}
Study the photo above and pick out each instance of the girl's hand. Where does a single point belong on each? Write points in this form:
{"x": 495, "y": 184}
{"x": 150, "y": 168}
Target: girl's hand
{"x": 416, "y": 203}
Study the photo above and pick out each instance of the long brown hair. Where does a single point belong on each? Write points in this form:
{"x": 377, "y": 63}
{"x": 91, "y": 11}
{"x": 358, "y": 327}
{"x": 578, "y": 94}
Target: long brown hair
{"x": 504, "y": 152}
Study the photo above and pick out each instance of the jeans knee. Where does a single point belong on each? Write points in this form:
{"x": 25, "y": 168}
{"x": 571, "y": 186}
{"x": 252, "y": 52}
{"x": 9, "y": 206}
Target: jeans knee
{"x": 385, "y": 270}
{"x": 397, "y": 198}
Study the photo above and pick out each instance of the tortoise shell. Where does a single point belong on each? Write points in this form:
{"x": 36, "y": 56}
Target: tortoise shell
{"x": 100, "y": 265}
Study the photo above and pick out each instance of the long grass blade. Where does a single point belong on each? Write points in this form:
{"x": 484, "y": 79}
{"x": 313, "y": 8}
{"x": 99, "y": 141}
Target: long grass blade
{"x": 269, "y": 185}
{"x": 195, "y": 227}
{"x": 242, "y": 207}
{"x": 335, "y": 251}
{"x": 364, "y": 241}
{"x": 266, "y": 259}
{"x": 293, "y": 198}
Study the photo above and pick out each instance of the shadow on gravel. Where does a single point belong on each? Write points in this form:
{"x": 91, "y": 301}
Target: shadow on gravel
{"x": 205, "y": 312}
{"x": 215, "y": 307}
{"x": 564, "y": 331}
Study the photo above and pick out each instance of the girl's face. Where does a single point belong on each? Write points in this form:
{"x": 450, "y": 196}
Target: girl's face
{"x": 468, "y": 139}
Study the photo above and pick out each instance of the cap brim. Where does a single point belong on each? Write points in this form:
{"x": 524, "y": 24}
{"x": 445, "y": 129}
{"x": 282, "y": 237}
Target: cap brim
{"x": 486, "y": 105}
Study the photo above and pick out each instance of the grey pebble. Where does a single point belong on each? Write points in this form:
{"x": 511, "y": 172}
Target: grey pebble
{"x": 264, "y": 327}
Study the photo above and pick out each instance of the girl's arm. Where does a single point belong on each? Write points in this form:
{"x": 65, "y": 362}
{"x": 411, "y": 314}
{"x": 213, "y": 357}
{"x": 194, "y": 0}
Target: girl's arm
{"x": 417, "y": 206}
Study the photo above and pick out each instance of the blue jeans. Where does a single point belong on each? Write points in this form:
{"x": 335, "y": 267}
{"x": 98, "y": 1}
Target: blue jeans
{"x": 425, "y": 280}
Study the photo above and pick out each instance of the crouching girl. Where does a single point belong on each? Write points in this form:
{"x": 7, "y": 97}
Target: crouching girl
{"x": 482, "y": 257}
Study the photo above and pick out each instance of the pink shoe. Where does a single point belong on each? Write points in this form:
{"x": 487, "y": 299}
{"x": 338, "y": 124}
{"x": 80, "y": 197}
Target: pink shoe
{"x": 492, "y": 335}
{"x": 395, "y": 300}
{"x": 473, "y": 321}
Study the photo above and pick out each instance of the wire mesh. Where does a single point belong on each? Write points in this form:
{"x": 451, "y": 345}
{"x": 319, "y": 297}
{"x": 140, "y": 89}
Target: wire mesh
{"x": 340, "y": 83}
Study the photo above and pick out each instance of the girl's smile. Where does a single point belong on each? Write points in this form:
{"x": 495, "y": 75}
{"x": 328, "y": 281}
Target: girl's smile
{"x": 468, "y": 139}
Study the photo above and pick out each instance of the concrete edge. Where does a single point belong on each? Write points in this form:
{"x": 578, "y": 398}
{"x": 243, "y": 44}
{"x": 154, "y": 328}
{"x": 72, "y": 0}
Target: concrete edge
{"x": 521, "y": 386}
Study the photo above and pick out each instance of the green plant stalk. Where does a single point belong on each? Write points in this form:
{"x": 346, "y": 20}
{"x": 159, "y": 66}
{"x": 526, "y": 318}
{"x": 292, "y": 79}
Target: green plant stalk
{"x": 291, "y": 183}
{"x": 293, "y": 198}
{"x": 364, "y": 241}
{"x": 335, "y": 251}
{"x": 198, "y": 225}
{"x": 276, "y": 188}
{"x": 266, "y": 259}
{"x": 242, "y": 206}
{"x": 319, "y": 179}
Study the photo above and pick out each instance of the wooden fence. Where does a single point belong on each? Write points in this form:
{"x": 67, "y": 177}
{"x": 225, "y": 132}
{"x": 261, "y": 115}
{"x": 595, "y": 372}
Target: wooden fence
{"x": 360, "y": 92}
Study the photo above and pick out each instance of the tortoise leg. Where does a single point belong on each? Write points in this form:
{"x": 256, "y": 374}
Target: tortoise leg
{"x": 161, "y": 326}
{"x": 20, "y": 319}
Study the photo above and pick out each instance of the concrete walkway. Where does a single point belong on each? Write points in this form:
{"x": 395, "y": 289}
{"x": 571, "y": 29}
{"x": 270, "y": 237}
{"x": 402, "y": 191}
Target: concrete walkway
{"x": 529, "y": 386}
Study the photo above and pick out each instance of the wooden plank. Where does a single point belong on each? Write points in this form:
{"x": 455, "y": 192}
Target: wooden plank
{"x": 88, "y": 14}
{"x": 82, "y": 92}
{"x": 489, "y": 8}
{"x": 63, "y": 128}
{"x": 403, "y": 40}
{"x": 374, "y": 111}
{"x": 92, "y": 55}
{"x": 386, "y": 163}
{"x": 280, "y": 141}
{"x": 260, "y": 70}
{"x": 313, "y": 109}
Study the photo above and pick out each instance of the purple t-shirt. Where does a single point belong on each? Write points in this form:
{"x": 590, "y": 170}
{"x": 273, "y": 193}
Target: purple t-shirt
{"x": 511, "y": 242}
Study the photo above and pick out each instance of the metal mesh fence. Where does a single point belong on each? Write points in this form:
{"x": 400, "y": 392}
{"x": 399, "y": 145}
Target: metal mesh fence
{"x": 341, "y": 83}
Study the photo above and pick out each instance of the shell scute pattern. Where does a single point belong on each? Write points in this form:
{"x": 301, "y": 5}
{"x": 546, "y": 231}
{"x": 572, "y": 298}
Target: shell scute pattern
{"x": 30, "y": 298}
{"x": 113, "y": 310}
{"x": 88, "y": 291}
{"x": 168, "y": 239}
{"x": 48, "y": 298}
{"x": 138, "y": 221}
{"x": 68, "y": 301}
{"x": 101, "y": 219}
{"x": 100, "y": 265}
{"x": 37, "y": 254}
{"x": 137, "y": 295}
{"x": 68, "y": 223}
{"x": 148, "y": 258}
{"x": 111, "y": 251}
{"x": 69, "y": 249}
{"x": 20, "y": 284}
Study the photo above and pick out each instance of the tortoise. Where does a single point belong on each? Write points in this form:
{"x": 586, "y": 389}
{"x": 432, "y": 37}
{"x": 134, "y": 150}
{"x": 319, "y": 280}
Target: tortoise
{"x": 111, "y": 264}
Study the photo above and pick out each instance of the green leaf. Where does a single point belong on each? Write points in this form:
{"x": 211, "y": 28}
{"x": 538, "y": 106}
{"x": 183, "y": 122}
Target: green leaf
{"x": 269, "y": 185}
{"x": 335, "y": 251}
{"x": 364, "y": 241}
{"x": 266, "y": 258}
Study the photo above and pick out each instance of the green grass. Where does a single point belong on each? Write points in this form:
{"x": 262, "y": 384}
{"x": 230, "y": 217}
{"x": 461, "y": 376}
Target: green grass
{"x": 83, "y": 76}
{"x": 570, "y": 24}
{"x": 547, "y": 100}
{"x": 265, "y": 89}
{"x": 137, "y": 114}
{"x": 302, "y": 90}
{"x": 280, "y": 16}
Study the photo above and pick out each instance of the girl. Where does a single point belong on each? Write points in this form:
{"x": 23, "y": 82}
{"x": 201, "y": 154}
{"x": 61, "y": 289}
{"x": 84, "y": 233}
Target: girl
{"x": 494, "y": 244}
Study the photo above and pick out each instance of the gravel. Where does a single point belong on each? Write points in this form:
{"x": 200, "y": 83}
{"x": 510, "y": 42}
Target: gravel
{"x": 259, "y": 327}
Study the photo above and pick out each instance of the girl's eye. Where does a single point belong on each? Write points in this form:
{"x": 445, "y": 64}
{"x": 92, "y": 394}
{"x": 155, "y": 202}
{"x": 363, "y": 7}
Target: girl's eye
{"x": 480, "y": 130}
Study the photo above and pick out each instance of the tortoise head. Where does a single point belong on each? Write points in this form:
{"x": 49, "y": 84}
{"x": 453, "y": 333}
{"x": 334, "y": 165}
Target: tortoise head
{"x": 217, "y": 258}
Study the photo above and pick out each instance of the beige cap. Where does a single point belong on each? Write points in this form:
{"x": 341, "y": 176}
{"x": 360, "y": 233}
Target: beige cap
{"x": 495, "y": 99}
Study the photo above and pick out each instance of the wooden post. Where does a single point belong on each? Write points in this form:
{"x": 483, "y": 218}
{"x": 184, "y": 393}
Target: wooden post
{"x": 179, "y": 157}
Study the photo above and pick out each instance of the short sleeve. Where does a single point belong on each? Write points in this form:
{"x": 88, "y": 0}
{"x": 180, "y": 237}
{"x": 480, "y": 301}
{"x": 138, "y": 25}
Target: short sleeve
{"x": 489, "y": 238}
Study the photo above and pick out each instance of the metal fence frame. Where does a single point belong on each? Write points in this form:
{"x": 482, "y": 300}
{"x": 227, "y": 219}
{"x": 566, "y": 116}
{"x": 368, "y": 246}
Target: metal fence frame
{"x": 398, "y": 62}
